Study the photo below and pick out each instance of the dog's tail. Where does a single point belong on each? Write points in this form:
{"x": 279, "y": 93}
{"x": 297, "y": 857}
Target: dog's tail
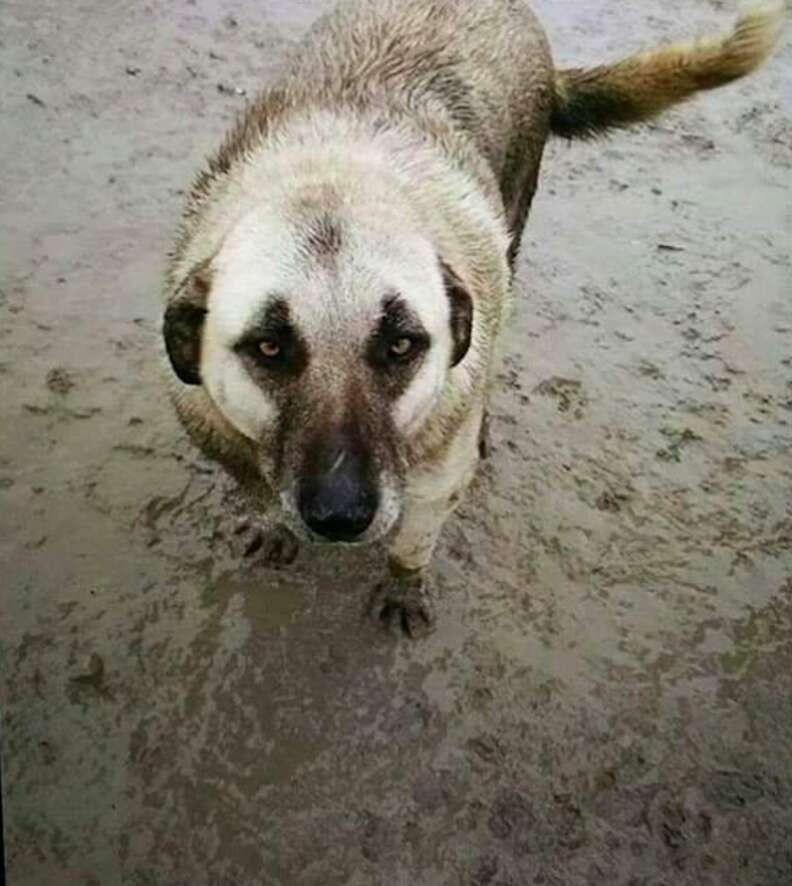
{"x": 589, "y": 101}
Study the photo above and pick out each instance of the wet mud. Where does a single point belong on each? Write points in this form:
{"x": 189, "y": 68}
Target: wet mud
{"x": 607, "y": 698}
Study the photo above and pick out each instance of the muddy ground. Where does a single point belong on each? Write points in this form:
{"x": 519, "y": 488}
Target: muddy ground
{"x": 608, "y": 696}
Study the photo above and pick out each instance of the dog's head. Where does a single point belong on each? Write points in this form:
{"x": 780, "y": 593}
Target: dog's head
{"x": 327, "y": 340}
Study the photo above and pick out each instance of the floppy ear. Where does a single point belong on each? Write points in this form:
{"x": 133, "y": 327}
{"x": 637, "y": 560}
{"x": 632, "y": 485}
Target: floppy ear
{"x": 183, "y": 325}
{"x": 461, "y": 314}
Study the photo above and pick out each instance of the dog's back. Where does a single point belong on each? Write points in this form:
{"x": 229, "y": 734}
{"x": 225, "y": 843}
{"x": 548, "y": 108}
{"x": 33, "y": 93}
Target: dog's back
{"x": 477, "y": 77}
{"x": 459, "y": 56}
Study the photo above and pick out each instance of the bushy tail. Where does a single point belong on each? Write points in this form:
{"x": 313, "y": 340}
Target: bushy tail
{"x": 590, "y": 101}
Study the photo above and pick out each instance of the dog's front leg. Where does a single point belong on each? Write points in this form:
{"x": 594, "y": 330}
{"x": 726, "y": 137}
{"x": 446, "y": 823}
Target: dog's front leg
{"x": 405, "y": 598}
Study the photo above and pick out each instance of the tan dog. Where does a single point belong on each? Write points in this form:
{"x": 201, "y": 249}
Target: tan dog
{"x": 342, "y": 271}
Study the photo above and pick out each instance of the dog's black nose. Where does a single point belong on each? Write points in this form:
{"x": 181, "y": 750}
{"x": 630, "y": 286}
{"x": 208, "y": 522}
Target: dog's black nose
{"x": 339, "y": 503}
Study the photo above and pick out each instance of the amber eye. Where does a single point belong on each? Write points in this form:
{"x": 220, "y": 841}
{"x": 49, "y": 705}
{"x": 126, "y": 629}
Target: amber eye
{"x": 401, "y": 347}
{"x": 269, "y": 348}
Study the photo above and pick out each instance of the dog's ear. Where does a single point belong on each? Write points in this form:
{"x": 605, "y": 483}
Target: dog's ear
{"x": 183, "y": 324}
{"x": 461, "y": 314}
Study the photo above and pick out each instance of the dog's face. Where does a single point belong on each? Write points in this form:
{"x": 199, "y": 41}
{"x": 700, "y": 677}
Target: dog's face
{"x": 327, "y": 341}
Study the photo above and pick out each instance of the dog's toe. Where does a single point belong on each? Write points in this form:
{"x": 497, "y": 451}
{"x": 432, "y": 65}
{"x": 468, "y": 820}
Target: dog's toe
{"x": 417, "y": 621}
{"x": 280, "y": 547}
{"x": 406, "y": 607}
{"x": 277, "y": 546}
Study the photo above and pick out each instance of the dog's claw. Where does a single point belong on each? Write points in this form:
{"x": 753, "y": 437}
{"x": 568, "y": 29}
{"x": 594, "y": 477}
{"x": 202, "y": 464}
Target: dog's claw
{"x": 404, "y": 603}
{"x": 280, "y": 547}
{"x": 255, "y": 543}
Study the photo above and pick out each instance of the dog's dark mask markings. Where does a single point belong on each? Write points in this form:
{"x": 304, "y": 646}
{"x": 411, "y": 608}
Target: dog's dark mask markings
{"x": 396, "y": 347}
{"x": 272, "y": 348}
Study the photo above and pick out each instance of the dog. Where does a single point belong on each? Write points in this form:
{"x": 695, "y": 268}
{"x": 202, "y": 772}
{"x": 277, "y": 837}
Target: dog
{"x": 342, "y": 271}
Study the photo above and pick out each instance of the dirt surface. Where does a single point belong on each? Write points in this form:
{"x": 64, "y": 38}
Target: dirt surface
{"x": 608, "y": 696}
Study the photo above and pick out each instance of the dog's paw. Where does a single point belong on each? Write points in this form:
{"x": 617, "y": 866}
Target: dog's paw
{"x": 404, "y": 603}
{"x": 277, "y": 546}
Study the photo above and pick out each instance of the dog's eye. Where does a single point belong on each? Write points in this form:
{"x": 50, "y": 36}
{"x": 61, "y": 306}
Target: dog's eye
{"x": 401, "y": 348}
{"x": 269, "y": 348}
